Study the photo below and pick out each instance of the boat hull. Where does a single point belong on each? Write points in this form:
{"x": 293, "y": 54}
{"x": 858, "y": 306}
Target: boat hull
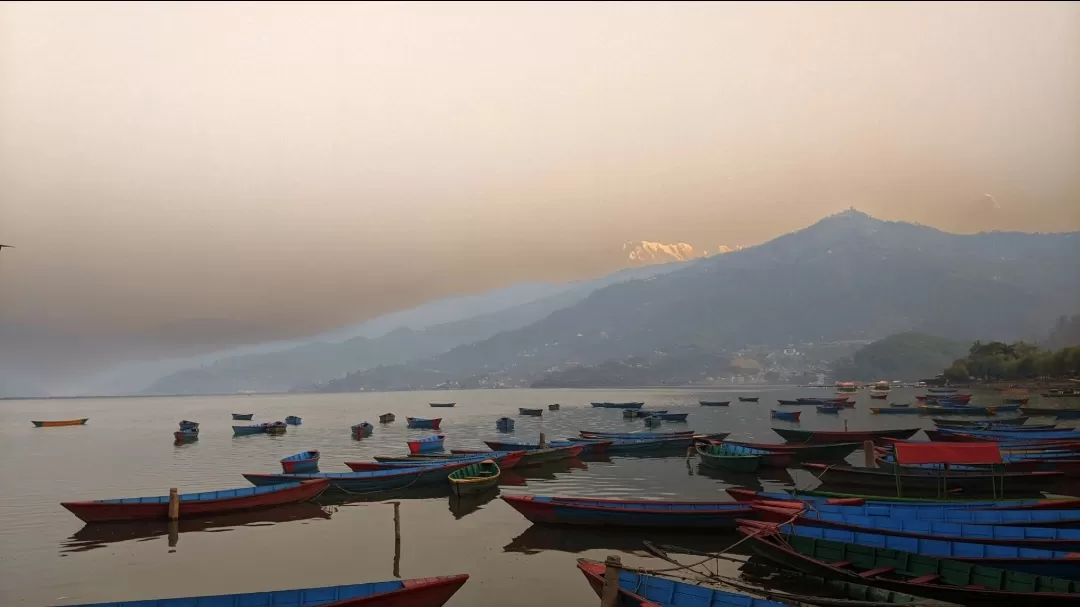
{"x": 802, "y": 453}
{"x": 62, "y": 422}
{"x": 242, "y": 416}
{"x": 365, "y": 482}
{"x": 931, "y": 480}
{"x": 505, "y": 459}
{"x": 429, "y": 424}
{"x": 726, "y": 459}
{"x": 309, "y": 463}
{"x": 475, "y": 478}
{"x": 629, "y": 513}
{"x": 618, "y": 405}
{"x": 105, "y": 511}
{"x": 427, "y": 444}
{"x": 817, "y": 437}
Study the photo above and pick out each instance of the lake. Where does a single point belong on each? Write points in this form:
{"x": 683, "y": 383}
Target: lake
{"x": 49, "y": 557}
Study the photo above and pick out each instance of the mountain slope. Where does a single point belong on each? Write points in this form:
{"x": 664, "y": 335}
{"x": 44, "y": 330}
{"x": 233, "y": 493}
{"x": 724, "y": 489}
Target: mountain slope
{"x": 902, "y": 356}
{"x": 849, "y": 276}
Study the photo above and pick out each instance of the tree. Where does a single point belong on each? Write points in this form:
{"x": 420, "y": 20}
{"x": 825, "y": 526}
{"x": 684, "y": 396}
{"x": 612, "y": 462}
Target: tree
{"x": 957, "y": 372}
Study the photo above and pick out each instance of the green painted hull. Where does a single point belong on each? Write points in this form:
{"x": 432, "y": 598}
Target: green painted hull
{"x": 475, "y": 478}
{"x": 723, "y": 459}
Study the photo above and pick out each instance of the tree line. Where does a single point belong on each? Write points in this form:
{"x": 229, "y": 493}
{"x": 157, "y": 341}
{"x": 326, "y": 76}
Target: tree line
{"x": 999, "y": 361}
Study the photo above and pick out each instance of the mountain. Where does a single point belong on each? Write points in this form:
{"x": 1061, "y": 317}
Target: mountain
{"x": 849, "y": 276}
{"x": 316, "y": 362}
{"x": 644, "y": 252}
{"x": 903, "y": 356}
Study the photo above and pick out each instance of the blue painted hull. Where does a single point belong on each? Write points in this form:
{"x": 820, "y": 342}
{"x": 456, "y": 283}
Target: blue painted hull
{"x": 242, "y": 416}
{"x": 422, "y": 423}
{"x": 970, "y": 516}
{"x": 791, "y": 417}
{"x": 618, "y": 405}
{"x": 361, "y": 482}
{"x": 1006, "y": 435}
{"x": 1028, "y": 560}
{"x": 637, "y": 435}
{"x": 629, "y": 513}
{"x": 996, "y": 505}
{"x": 242, "y": 430}
{"x": 637, "y": 590}
{"x": 671, "y": 417}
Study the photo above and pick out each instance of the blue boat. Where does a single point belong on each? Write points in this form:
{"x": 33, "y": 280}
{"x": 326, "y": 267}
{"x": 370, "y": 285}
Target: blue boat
{"x": 1054, "y": 563}
{"x": 627, "y": 445}
{"x": 994, "y": 505}
{"x": 308, "y": 461}
{"x": 639, "y": 590}
{"x": 681, "y": 434}
{"x": 942, "y": 390}
{"x": 293, "y": 420}
{"x": 791, "y": 416}
{"x": 242, "y": 416}
{"x": 1069, "y": 434}
{"x": 1045, "y": 538}
{"x": 362, "y": 429}
{"x": 642, "y": 412}
{"x": 618, "y": 405}
{"x": 420, "y": 422}
{"x": 430, "y": 443}
{"x": 189, "y": 425}
{"x": 186, "y": 434}
{"x": 364, "y": 482}
{"x": 436, "y": 459}
{"x": 421, "y": 592}
{"x": 670, "y": 417}
{"x": 253, "y": 429}
{"x": 629, "y": 513}
{"x": 828, "y": 409}
{"x": 969, "y": 516}
{"x": 504, "y": 424}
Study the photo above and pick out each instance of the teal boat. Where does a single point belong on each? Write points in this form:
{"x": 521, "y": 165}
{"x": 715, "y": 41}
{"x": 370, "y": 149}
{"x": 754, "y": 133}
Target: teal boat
{"x": 715, "y": 456}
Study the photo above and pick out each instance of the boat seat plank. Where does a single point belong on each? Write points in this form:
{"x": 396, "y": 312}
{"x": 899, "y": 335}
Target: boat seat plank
{"x": 925, "y": 579}
{"x": 840, "y": 564}
{"x": 875, "y": 572}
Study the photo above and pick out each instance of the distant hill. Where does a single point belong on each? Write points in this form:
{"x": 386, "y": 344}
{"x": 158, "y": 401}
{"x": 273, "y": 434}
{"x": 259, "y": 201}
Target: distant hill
{"x": 903, "y": 356}
{"x": 680, "y": 367}
{"x": 304, "y": 365}
{"x": 847, "y": 277}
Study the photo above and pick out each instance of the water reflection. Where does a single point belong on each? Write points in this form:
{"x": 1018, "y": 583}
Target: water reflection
{"x": 753, "y": 480}
{"x": 576, "y": 539}
{"x": 464, "y": 505}
{"x": 98, "y": 535}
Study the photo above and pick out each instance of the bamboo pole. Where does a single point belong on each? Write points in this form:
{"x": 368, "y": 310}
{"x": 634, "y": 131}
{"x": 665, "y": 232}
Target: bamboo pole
{"x": 610, "y": 595}
{"x": 174, "y": 504}
{"x": 868, "y": 452}
{"x": 397, "y": 539}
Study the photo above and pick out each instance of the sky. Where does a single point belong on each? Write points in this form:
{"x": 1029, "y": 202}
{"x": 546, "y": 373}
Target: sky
{"x": 194, "y": 175}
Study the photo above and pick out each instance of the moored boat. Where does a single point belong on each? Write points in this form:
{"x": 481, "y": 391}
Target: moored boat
{"x": 535, "y": 457}
{"x": 62, "y": 422}
{"x": 190, "y": 434}
{"x": 909, "y": 505}
{"x": 475, "y": 478}
{"x": 632, "y": 405}
{"x": 420, "y": 422}
{"x": 362, "y": 429}
{"x": 196, "y": 504}
{"x": 670, "y": 417}
{"x": 791, "y": 416}
{"x": 308, "y": 461}
{"x": 554, "y": 407}
{"x": 714, "y": 456}
{"x": 420, "y": 592}
{"x": 365, "y": 482}
{"x": 188, "y": 425}
{"x": 769, "y": 459}
{"x": 293, "y": 420}
{"x": 628, "y": 513}
{"x": 803, "y": 453}
{"x": 276, "y": 427}
{"x": 748, "y": 399}
{"x": 602, "y": 434}
{"x": 599, "y": 446}
{"x": 252, "y": 429}
{"x": 640, "y": 590}
{"x": 716, "y": 403}
{"x": 976, "y": 512}
{"x": 504, "y": 424}
{"x": 505, "y": 459}
{"x": 988, "y": 482}
{"x": 879, "y": 395}
{"x": 431, "y": 443}
{"x": 531, "y": 412}
{"x": 386, "y": 418}
{"x": 820, "y": 437}
{"x": 891, "y": 410}
{"x": 967, "y": 423}
{"x": 441, "y": 404}
{"x": 828, "y": 409}
{"x": 242, "y": 416}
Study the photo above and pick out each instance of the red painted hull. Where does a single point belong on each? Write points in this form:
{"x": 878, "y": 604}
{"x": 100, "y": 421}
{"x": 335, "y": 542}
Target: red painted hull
{"x": 304, "y": 465}
{"x": 97, "y": 512}
{"x": 419, "y": 592}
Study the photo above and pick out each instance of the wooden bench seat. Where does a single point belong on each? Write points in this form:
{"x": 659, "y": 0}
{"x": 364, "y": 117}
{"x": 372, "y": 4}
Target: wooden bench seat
{"x": 933, "y": 577}
{"x": 874, "y": 572}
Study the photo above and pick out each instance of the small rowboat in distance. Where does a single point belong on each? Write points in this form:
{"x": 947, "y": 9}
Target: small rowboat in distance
{"x": 420, "y": 422}
{"x": 442, "y": 404}
{"x": 65, "y": 422}
{"x": 828, "y": 409}
{"x": 748, "y": 399}
{"x": 618, "y": 405}
{"x": 362, "y": 429}
{"x": 420, "y": 592}
{"x": 791, "y": 416}
{"x": 504, "y": 424}
{"x": 186, "y": 435}
{"x": 716, "y": 403}
{"x": 629, "y": 513}
{"x": 187, "y": 425}
{"x": 671, "y": 417}
{"x": 554, "y": 407}
{"x": 293, "y": 420}
{"x": 308, "y": 461}
{"x": 196, "y": 504}
{"x": 431, "y": 443}
{"x": 386, "y": 418}
{"x": 239, "y": 416}
{"x": 253, "y": 429}
{"x": 475, "y": 478}
{"x": 531, "y": 412}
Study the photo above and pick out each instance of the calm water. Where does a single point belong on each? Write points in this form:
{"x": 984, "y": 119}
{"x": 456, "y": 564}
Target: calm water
{"x": 47, "y": 556}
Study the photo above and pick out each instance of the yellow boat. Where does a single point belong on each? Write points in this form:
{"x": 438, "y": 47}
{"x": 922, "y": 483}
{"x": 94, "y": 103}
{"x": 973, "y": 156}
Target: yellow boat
{"x": 63, "y": 422}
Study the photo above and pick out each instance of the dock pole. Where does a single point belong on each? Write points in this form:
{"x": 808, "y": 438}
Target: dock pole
{"x": 610, "y": 595}
{"x": 397, "y": 539}
{"x": 868, "y": 452}
{"x": 174, "y": 504}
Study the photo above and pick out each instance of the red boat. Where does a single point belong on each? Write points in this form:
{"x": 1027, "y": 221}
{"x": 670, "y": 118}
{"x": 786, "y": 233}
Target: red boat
{"x": 508, "y": 460}
{"x": 197, "y": 504}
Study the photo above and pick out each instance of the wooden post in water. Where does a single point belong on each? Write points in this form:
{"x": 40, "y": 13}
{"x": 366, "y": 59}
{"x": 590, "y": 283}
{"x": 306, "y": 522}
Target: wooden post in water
{"x": 174, "y": 504}
{"x": 174, "y": 533}
{"x": 610, "y": 595}
{"x": 397, "y": 539}
{"x": 543, "y": 441}
{"x": 868, "y": 453}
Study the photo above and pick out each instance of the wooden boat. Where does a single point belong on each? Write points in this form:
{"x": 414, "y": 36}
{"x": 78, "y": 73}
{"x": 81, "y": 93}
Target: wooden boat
{"x": 63, "y": 422}
{"x": 419, "y": 592}
{"x": 1066, "y": 393}
{"x": 748, "y": 399}
{"x": 632, "y": 413}
{"x": 276, "y": 428}
{"x": 253, "y": 429}
{"x": 781, "y": 401}
{"x": 242, "y": 416}
{"x": 196, "y": 504}
{"x": 879, "y": 395}
{"x": 828, "y": 409}
{"x": 942, "y": 390}
{"x": 188, "y": 425}
{"x": 653, "y": 422}
{"x": 368, "y": 482}
{"x": 791, "y": 416}
{"x": 386, "y": 418}
{"x": 716, "y": 403}
{"x": 531, "y": 412}
{"x": 931, "y": 480}
{"x": 931, "y": 577}
{"x": 640, "y": 590}
{"x": 475, "y": 478}
{"x": 670, "y": 417}
{"x": 420, "y": 422}
{"x": 362, "y": 429}
{"x": 431, "y": 443}
{"x": 965, "y": 423}
{"x": 769, "y": 459}
{"x": 441, "y": 404}
{"x": 714, "y": 456}
{"x": 504, "y": 424}
{"x": 981, "y": 411}
{"x": 628, "y": 513}
{"x": 599, "y": 434}
{"x": 819, "y": 437}
{"x": 803, "y": 453}
{"x": 1005, "y": 435}
{"x": 1028, "y": 513}
{"x": 890, "y": 410}
{"x": 1009, "y": 400}
{"x": 535, "y": 457}
{"x": 293, "y": 420}
{"x": 599, "y": 446}
{"x": 505, "y": 460}
{"x": 308, "y": 461}
{"x": 875, "y": 502}
{"x": 628, "y": 445}
{"x": 618, "y": 405}
{"x": 186, "y": 435}
{"x": 1054, "y": 563}
{"x": 1043, "y": 538}
{"x": 554, "y": 407}
{"x": 900, "y": 405}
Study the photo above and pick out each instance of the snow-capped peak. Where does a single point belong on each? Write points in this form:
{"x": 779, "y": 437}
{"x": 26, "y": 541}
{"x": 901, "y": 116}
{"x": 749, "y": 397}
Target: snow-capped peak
{"x": 647, "y": 252}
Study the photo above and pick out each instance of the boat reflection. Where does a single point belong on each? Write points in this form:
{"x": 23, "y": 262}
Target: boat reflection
{"x": 340, "y": 498}
{"x": 548, "y": 471}
{"x": 576, "y": 539}
{"x": 773, "y": 477}
{"x": 99, "y": 535}
{"x": 462, "y": 506}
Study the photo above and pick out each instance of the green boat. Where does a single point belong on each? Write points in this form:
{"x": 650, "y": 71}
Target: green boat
{"x": 941, "y": 579}
{"x": 715, "y": 456}
{"x": 817, "y": 590}
{"x": 475, "y": 478}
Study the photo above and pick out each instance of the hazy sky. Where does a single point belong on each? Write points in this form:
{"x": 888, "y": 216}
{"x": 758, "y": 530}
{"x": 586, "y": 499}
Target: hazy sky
{"x": 295, "y": 167}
